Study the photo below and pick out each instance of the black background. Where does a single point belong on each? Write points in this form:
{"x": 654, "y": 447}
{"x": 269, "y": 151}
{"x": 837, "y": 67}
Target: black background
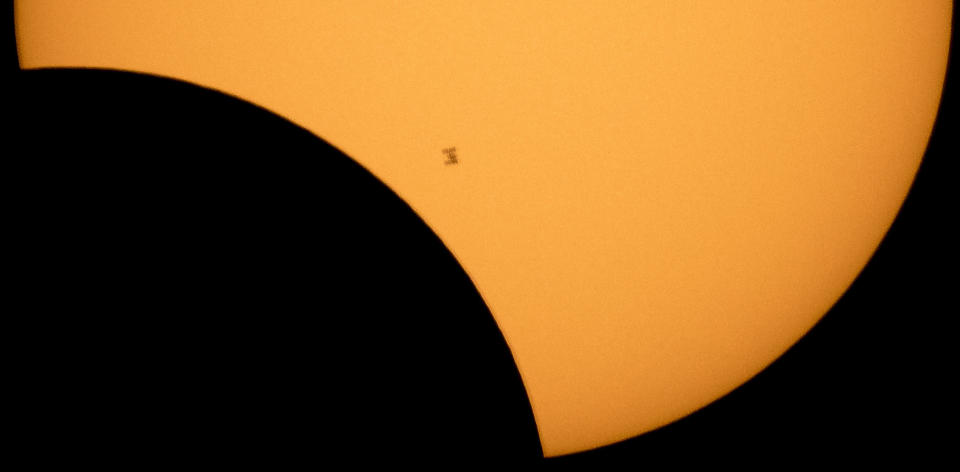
{"x": 143, "y": 311}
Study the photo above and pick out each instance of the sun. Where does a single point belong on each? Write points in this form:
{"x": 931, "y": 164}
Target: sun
{"x": 655, "y": 199}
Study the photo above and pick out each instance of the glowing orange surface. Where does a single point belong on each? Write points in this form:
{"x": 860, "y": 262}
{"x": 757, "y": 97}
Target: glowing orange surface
{"x": 655, "y": 198}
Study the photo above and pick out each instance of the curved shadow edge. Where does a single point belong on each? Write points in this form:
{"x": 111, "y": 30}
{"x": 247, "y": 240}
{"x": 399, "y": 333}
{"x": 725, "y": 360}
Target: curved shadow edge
{"x": 206, "y": 276}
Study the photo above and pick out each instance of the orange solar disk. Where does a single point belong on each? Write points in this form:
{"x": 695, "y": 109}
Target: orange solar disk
{"x": 655, "y": 199}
